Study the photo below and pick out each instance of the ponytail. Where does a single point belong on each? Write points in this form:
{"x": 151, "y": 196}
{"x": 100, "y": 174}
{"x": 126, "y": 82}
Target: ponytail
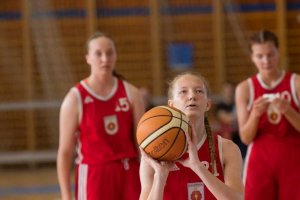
{"x": 211, "y": 143}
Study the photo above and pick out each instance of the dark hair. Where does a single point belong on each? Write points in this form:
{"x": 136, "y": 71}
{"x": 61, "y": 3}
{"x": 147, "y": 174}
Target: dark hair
{"x": 261, "y": 37}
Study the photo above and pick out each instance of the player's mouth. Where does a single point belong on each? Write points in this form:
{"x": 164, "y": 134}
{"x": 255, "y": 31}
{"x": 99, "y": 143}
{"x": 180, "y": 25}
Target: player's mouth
{"x": 105, "y": 66}
{"x": 191, "y": 106}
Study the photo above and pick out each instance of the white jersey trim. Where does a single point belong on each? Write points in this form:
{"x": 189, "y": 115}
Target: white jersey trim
{"x": 76, "y": 91}
{"x": 220, "y": 151}
{"x": 79, "y": 157}
{"x": 277, "y": 82}
{"x": 78, "y": 148}
{"x": 294, "y": 92}
{"x": 127, "y": 90}
{"x": 251, "y": 94}
{"x": 102, "y": 98}
{"x": 201, "y": 142}
{"x": 249, "y": 149}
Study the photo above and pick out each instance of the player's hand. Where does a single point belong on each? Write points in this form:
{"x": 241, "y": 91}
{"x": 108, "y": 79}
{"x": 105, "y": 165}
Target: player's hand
{"x": 192, "y": 160}
{"x": 161, "y": 168}
{"x": 281, "y": 104}
{"x": 260, "y": 105}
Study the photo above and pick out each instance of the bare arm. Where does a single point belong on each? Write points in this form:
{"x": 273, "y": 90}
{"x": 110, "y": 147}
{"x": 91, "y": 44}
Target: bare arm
{"x": 233, "y": 167}
{"x": 233, "y": 187}
{"x": 248, "y": 121}
{"x": 146, "y": 178}
{"x": 137, "y": 103}
{"x": 68, "y": 122}
{"x": 138, "y": 106}
{"x": 153, "y": 176}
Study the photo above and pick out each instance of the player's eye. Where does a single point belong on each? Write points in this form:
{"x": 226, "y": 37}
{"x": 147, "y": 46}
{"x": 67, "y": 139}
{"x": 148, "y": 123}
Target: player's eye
{"x": 182, "y": 91}
{"x": 259, "y": 56}
{"x": 270, "y": 55}
{"x": 98, "y": 53}
{"x": 110, "y": 53}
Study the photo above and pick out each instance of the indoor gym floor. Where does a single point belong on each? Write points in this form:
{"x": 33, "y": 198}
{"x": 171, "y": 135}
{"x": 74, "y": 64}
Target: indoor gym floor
{"x": 29, "y": 183}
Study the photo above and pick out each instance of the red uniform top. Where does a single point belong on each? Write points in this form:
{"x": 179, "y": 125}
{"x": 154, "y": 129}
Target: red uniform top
{"x": 272, "y": 123}
{"x": 105, "y": 131}
{"x": 183, "y": 183}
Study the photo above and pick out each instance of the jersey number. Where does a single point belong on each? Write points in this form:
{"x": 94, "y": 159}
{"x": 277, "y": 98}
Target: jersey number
{"x": 122, "y": 105}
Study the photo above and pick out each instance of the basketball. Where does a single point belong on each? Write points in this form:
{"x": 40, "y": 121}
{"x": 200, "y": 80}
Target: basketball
{"x": 161, "y": 133}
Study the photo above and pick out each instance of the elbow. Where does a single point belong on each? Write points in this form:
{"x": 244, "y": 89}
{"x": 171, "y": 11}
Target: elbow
{"x": 298, "y": 129}
{"x": 236, "y": 196}
{"x": 239, "y": 196}
{"x": 245, "y": 139}
{"x": 64, "y": 155}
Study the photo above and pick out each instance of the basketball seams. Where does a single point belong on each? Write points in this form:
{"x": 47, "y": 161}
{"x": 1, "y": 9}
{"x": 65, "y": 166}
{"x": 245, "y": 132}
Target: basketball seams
{"x": 177, "y": 136}
{"x": 172, "y": 112}
{"x": 186, "y": 127}
{"x": 151, "y": 135}
{"x": 183, "y": 120}
{"x": 159, "y": 131}
{"x": 143, "y": 120}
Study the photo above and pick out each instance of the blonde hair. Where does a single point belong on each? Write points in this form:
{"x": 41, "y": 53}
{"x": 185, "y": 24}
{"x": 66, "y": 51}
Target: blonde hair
{"x": 211, "y": 141}
{"x": 174, "y": 80}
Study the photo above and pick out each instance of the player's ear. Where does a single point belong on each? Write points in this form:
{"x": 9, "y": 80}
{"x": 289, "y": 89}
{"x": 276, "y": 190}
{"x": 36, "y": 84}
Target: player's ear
{"x": 170, "y": 103}
{"x": 208, "y": 104}
{"x": 87, "y": 59}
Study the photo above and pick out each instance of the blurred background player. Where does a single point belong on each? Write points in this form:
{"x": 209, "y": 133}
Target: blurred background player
{"x": 99, "y": 116}
{"x": 226, "y": 116}
{"x": 270, "y": 126}
{"x": 147, "y": 97}
{"x": 213, "y": 168}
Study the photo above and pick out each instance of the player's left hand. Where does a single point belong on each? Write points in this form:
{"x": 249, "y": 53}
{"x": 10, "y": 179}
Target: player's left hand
{"x": 192, "y": 160}
{"x": 281, "y": 104}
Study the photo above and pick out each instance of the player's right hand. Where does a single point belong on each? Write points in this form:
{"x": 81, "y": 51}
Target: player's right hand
{"x": 260, "y": 105}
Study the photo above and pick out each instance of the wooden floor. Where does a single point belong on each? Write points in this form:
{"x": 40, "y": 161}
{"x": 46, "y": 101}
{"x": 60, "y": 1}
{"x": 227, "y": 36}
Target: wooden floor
{"x": 29, "y": 183}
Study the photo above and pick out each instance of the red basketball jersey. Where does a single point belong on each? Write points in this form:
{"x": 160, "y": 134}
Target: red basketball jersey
{"x": 272, "y": 122}
{"x": 272, "y": 161}
{"x": 184, "y": 184}
{"x": 106, "y": 127}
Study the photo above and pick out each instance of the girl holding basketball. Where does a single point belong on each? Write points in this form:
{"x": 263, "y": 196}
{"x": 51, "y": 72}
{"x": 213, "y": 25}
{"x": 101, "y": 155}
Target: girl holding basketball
{"x": 213, "y": 167}
{"x": 98, "y": 117}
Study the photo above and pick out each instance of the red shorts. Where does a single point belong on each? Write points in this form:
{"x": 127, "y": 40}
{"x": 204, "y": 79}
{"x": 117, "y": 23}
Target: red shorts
{"x": 112, "y": 181}
{"x": 272, "y": 170}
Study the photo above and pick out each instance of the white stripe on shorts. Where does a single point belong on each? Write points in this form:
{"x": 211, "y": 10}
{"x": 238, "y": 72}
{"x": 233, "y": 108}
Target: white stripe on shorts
{"x": 82, "y": 181}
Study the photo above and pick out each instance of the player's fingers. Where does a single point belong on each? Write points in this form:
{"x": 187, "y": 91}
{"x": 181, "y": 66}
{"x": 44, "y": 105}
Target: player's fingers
{"x": 193, "y": 137}
{"x": 188, "y": 137}
{"x": 147, "y": 158}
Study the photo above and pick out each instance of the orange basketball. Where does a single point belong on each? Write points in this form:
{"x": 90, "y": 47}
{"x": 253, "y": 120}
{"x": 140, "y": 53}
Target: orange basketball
{"x": 161, "y": 133}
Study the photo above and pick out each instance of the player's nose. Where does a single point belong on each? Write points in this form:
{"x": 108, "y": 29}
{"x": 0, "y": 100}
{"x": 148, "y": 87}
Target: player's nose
{"x": 191, "y": 95}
